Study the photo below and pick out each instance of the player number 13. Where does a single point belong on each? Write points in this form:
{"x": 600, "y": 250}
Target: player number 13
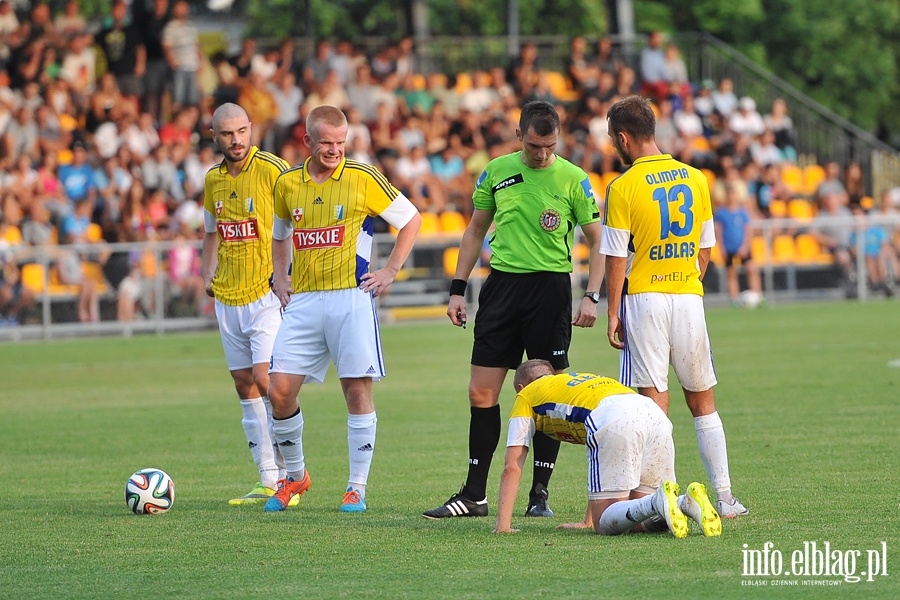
{"x": 678, "y": 193}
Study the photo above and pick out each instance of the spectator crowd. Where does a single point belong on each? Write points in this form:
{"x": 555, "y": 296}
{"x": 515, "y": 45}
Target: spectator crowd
{"x": 104, "y": 135}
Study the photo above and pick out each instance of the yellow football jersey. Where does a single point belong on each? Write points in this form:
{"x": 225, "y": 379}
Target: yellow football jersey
{"x": 558, "y": 405}
{"x": 243, "y": 209}
{"x": 664, "y": 204}
{"x": 333, "y": 223}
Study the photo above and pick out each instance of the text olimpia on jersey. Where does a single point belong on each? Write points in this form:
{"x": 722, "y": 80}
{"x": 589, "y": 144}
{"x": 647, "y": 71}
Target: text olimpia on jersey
{"x": 664, "y": 203}
{"x": 559, "y": 404}
{"x": 333, "y": 223}
{"x": 534, "y": 209}
{"x": 243, "y": 209}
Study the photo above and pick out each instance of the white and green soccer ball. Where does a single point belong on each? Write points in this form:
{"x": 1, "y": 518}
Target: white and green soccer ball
{"x": 150, "y": 492}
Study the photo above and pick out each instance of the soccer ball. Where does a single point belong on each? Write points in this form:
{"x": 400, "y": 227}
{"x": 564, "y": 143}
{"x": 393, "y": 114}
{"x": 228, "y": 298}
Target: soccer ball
{"x": 150, "y": 492}
{"x": 750, "y": 299}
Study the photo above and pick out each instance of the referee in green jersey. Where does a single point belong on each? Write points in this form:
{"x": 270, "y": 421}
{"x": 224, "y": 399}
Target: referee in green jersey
{"x": 535, "y": 199}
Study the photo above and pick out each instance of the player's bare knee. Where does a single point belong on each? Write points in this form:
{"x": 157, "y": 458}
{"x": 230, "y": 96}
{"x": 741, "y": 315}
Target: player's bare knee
{"x": 483, "y": 397}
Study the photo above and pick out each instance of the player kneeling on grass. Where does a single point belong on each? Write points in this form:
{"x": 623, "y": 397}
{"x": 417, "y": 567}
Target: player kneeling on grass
{"x": 631, "y": 456}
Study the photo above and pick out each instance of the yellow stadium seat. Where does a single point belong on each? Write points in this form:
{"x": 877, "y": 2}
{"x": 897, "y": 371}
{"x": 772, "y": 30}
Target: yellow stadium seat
{"x": 792, "y": 176}
{"x": 559, "y": 86}
{"x": 597, "y": 185}
{"x": 810, "y": 251}
{"x": 758, "y": 250}
{"x": 783, "y": 250}
{"x": 94, "y": 232}
{"x": 34, "y": 277}
{"x": 419, "y": 81}
{"x": 450, "y": 257}
{"x": 813, "y": 175}
{"x": 867, "y": 202}
{"x": 608, "y": 177}
{"x": 452, "y": 222}
{"x": 581, "y": 253}
{"x": 715, "y": 256}
{"x": 778, "y": 208}
{"x": 800, "y": 209}
{"x": 463, "y": 82}
{"x": 430, "y": 224}
{"x": 710, "y": 176}
{"x": 94, "y": 272}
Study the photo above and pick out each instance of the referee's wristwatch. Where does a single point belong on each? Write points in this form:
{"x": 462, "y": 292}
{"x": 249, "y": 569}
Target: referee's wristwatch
{"x": 594, "y": 296}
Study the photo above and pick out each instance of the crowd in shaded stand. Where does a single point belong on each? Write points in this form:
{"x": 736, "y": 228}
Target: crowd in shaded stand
{"x": 104, "y": 136}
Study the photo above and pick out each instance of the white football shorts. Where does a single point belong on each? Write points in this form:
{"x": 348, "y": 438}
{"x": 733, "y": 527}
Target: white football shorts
{"x": 319, "y": 327}
{"x": 248, "y": 331}
{"x": 663, "y": 330}
{"x": 629, "y": 447}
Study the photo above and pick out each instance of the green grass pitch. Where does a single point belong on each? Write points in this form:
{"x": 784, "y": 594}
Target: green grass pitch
{"x": 808, "y": 395}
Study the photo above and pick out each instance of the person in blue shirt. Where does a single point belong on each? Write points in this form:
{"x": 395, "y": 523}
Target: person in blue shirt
{"x": 733, "y": 233}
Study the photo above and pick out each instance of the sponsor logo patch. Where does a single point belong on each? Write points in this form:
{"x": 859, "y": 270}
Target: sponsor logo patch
{"x": 513, "y": 180}
{"x": 238, "y": 231}
{"x": 326, "y": 237}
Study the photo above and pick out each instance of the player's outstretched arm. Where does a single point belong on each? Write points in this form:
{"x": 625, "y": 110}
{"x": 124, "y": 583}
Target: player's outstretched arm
{"x": 509, "y": 487}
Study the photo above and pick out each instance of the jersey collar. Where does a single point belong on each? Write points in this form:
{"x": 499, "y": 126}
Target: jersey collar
{"x": 223, "y": 168}
{"x": 652, "y": 158}
{"x": 336, "y": 175}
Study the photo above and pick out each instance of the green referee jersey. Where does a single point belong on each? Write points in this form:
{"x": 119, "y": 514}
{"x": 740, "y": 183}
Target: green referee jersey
{"x": 535, "y": 213}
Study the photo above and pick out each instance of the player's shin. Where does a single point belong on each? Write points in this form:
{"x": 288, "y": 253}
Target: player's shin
{"x": 289, "y": 436}
{"x": 256, "y": 427}
{"x": 361, "y": 445}
{"x": 713, "y": 453}
{"x": 484, "y": 435}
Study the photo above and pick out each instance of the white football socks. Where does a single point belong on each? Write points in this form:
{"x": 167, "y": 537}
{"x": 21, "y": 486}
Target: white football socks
{"x": 256, "y": 421}
{"x": 713, "y": 453}
{"x": 361, "y": 444}
{"x": 289, "y": 435}
{"x": 279, "y": 460}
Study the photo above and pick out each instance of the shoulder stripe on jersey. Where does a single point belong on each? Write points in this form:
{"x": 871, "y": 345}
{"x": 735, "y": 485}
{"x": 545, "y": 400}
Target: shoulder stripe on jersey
{"x": 216, "y": 167}
{"x": 275, "y": 160}
{"x": 375, "y": 174}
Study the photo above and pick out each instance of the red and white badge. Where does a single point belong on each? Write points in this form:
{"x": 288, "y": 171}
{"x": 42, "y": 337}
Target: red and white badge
{"x": 219, "y": 205}
{"x": 298, "y": 214}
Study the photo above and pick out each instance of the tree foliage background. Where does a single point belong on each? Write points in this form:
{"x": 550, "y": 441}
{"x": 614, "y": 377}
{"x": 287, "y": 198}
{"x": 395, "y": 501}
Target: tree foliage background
{"x": 843, "y": 53}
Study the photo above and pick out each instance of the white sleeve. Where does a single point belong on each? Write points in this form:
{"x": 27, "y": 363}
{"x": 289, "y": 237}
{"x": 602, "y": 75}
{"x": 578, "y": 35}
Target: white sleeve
{"x": 282, "y": 229}
{"x": 708, "y": 234}
{"x": 399, "y": 213}
{"x": 614, "y": 242}
{"x": 521, "y": 430}
{"x": 209, "y": 222}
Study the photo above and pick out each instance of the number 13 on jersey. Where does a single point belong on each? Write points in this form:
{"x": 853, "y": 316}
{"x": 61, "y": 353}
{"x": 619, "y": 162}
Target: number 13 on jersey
{"x": 682, "y": 199}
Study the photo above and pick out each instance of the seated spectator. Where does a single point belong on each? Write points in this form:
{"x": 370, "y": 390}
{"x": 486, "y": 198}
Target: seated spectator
{"x": 50, "y": 189}
{"x": 523, "y": 69}
{"x": 112, "y": 183}
{"x": 764, "y": 150}
{"x": 875, "y": 241}
{"x": 9, "y": 22}
{"x": 331, "y": 92}
{"x": 770, "y": 187}
{"x": 676, "y": 72}
{"x": 78, "y": 176}
{"x": 414, "y": 100}
{"x": 576, "y": 64}
{"x": 16, "y": 300}
{"x": 835, "y": 237}
{"x": 21, "y": 135}
{"x": 854, "y": 184}
{"x": 318, "y": 65}
{"x": 412, "y": 174}
{"x": 141, "y": 137}
{"x": 724, "y": 99}
{"x": 450, "y": 170}
{"x": 654, "y": 73}
{"x": 607, "y": 59}
{"x": 288, "y": 99}
{"x": 38, "y": 230}
{"x": 78, "y": 67}
{"x": 746, "y": 120}
{"x": 184, "y": 276}
{"x": 23, "y": 181}
{"x": 832, "y": 185}
{"x": 361, "y": 93}
{"x": 52, "y": 139}
{"x": 74, "y": 229}
{"x": 782, "y": 126}
{"x": 70, "y": 22}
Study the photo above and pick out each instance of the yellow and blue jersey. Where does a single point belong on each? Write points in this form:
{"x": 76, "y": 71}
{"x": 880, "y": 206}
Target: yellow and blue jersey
{"x": 661, "y": 207}
{"x": 559, "y": 405}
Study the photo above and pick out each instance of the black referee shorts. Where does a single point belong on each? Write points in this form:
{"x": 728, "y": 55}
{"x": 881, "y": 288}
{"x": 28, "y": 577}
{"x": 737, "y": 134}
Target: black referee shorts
{"x": 520, "y": 313}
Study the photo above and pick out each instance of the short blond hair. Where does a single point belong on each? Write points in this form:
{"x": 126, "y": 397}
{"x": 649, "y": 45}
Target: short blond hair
{"x": 530, "y": 370}
{"x": 329, "y": 115}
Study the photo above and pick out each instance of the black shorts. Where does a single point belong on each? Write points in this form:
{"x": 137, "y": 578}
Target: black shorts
{"x": 528, "y": 313}
{"x": 729, "y": 258}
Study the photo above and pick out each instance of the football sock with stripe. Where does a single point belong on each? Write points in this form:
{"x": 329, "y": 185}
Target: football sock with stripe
{"x": 361, "y": 443}
{"x": 256, "y": 427}
{"x": 484, "y": 435}
{"x": 713, "y": 453}
{"x": 279, "y": 460}
{"x": 546, "y": 449}
{"x": 289, "y": 435}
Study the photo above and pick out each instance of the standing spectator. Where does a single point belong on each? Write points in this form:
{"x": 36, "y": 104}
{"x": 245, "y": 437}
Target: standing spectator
{"x": 535, "y": 198}
{"x": 126, "y": 55}
{"x": 236, "y": 265}
{"x": 243, "y": 60}
{"x": 318, "y": 65}
{"x": 151, "y": 25}
{"x": 523, "y": 70}
{"x": 664, "y": 259}
{"x": 328, "y": 295}
{"x": 732, "y": 222}
{"x": 182, "y": 47}
{"x": 78, "y": 68}
{"x": 833, "y": 234}
{"x": 288, "y": 99}
{"x": 9, "y": 22}
{"x": 361, "y": 93}
{"x": 21, "y": 135}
